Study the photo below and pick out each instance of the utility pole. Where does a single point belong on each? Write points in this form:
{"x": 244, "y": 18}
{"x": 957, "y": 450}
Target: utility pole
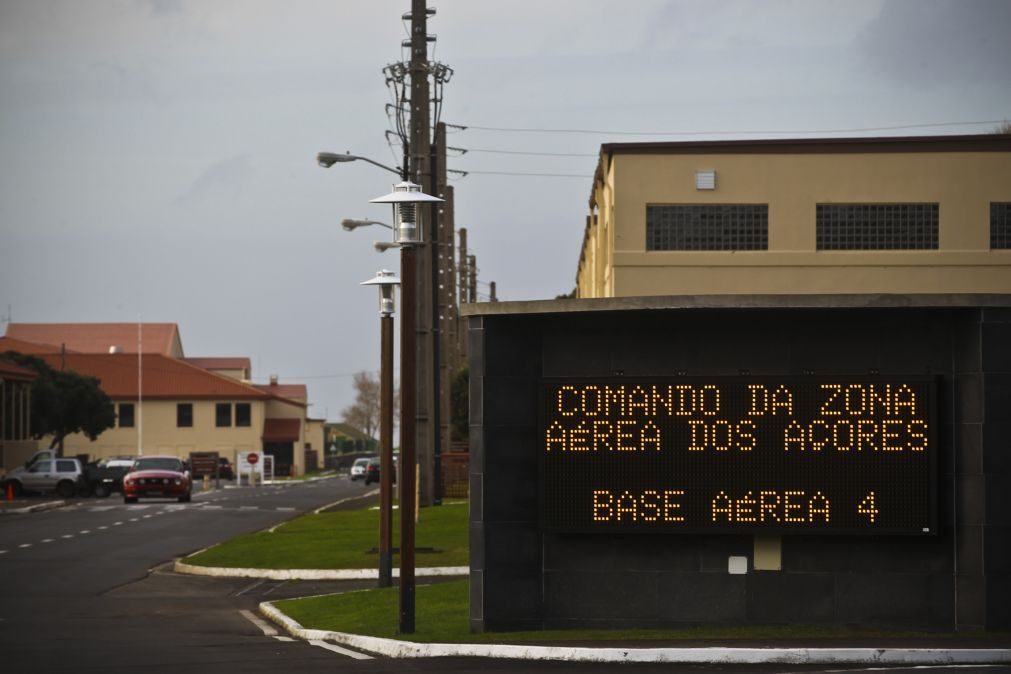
{"x": 421, "y": 172}
{"x": 421, "y": 277}
{"x": 463, "y": 267}
{"x": 472, "y": 276}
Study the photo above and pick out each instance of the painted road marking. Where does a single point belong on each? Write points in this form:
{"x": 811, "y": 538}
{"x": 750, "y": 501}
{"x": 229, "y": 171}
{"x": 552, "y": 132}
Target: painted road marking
{"x": 67, "y": 536}
{"x": 84, "y": 531}
{"x": 47, "y": 540}
{"x": 265, "y": 627}
{"x": 343, "y": 651}
{"x": 25, "y": 545}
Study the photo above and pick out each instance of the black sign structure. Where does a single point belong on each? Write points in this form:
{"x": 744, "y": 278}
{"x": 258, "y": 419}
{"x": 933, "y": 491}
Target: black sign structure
{"x": 802, "y": 455}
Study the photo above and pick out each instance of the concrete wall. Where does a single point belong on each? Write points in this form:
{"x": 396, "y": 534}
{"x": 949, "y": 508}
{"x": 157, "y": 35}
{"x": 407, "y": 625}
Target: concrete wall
{"x": 525, "y": 578}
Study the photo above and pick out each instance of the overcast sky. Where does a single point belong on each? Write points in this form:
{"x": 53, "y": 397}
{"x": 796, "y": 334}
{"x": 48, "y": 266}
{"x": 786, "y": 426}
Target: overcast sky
{"x": 157, "y": 156}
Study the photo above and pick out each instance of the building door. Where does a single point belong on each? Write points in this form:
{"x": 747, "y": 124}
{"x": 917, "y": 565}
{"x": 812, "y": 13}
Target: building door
{"x": 284, "y": 456}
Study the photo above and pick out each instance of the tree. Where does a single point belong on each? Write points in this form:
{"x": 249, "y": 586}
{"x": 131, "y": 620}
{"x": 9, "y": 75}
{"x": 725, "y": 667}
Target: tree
{"x": 65, "y": 402}
{"x": 364, "y": 413}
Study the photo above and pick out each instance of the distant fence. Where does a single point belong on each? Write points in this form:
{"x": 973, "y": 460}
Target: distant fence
{"x": 455, "y": 474}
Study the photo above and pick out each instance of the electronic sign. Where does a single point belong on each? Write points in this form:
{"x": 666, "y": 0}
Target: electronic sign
{"x": 777, "y": 455}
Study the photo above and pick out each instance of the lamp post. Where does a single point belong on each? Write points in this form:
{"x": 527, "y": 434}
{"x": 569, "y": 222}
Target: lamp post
{"x": 409, "y": 233}
{"x": 386, "y": 282}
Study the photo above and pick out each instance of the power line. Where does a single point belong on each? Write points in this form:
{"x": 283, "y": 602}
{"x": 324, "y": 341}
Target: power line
{"x": 532, "y": 154}
{"x": 584, "y": 176}
{"x": 462, "y": 127}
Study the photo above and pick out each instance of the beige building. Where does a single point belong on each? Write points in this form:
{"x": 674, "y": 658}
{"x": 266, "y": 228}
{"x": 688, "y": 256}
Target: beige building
{"x": 835, "y": 216}
{"x": 168, "y": 404}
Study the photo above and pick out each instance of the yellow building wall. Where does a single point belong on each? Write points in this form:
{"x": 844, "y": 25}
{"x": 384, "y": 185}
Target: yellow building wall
{"x": 962, "y": 183}
{"x": 156, "y": 420}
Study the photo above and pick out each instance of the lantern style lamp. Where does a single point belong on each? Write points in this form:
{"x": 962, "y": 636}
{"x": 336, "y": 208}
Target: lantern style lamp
{"x": 408, "y": 220}
{"x": 386, "y": 281}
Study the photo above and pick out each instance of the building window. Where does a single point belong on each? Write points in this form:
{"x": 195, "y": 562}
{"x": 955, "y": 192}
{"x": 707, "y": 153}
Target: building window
{"x": 125, "y": 415}
{"x": 243, "y": 415}
{"x": 1000, "y": 226}
{"x": 707, "y": 227}
{"x": 184, "y": 415}
{"x": 877, "y": 226}
{"x": 223, "y": 415}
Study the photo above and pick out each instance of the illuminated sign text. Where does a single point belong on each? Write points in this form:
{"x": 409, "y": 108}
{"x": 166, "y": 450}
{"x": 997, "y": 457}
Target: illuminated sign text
{"x": 778, "y": 455}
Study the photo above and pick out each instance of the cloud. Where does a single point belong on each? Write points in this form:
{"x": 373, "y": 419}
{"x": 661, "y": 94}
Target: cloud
{"x": 164, "y": 7}
{"x": 223, "y": 179}
{"x": 935, "y": 43}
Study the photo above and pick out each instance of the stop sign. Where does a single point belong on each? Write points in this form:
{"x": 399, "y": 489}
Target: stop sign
{"x": 252, "y": 458}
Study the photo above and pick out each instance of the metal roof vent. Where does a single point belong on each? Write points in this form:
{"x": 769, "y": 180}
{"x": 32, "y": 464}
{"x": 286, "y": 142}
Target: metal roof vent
{"x": 705, "y": 179}
{"x": 115, "y": 349}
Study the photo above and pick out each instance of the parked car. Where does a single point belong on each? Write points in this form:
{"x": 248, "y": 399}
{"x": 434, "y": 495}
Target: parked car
{"x": 157, "y": 477}
{"x": 372, "y": 471}
{"x": 105, "y": 476}
{"x": 358, "y": 467}
{"x": 46, "y": 474}
{"x": 225, "y": 470}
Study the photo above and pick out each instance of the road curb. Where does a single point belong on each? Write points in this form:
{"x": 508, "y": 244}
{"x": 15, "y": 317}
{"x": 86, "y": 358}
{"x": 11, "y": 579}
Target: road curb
{"x": 311, "y": 574}
{"x": 395, "y": 648}
{"x": 40, "y": 507}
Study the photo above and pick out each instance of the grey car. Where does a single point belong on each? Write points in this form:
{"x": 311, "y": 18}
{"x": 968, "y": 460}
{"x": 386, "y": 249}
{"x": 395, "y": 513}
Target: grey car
{"x": 60, "y": 475}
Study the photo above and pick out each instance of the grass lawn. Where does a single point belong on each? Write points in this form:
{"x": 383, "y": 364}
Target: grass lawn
{"x": 442, "y": 616}
{"x": 343, "y": 540}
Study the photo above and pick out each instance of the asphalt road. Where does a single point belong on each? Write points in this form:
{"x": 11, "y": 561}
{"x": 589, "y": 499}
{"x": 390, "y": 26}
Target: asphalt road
{"x": 90, "y": 588}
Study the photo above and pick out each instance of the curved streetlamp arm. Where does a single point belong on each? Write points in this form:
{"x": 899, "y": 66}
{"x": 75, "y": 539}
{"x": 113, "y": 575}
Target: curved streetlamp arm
{"x": 350, "y": 223}
{"x": 328, "y": 159}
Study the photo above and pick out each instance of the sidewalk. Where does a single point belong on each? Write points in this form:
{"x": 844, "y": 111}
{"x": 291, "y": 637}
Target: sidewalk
{"x": 914, "y": 651}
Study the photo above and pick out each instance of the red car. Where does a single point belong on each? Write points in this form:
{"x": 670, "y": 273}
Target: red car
{"x": 157, "y": 477}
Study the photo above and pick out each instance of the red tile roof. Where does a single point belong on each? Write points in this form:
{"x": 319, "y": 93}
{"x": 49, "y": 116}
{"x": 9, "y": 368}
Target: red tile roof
{"x": 296, "y": 392}
{"x": 221, "y": 363}
{"x": 163, "y": 377}
{"x": 14, "y": 372}
{"x": 29, "y": 348}
{"x": 281, "y": 430}
{"x": 98, "y": 337}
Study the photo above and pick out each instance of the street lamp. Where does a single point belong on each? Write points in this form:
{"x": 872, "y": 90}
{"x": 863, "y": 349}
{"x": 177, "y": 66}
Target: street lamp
{"x": 408, "y": 232}
{"x": 328, "y": 159}
{"x": 350, "y": 224}
{"x": 386, "y": 282}
{"x": 408, "y": 223}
